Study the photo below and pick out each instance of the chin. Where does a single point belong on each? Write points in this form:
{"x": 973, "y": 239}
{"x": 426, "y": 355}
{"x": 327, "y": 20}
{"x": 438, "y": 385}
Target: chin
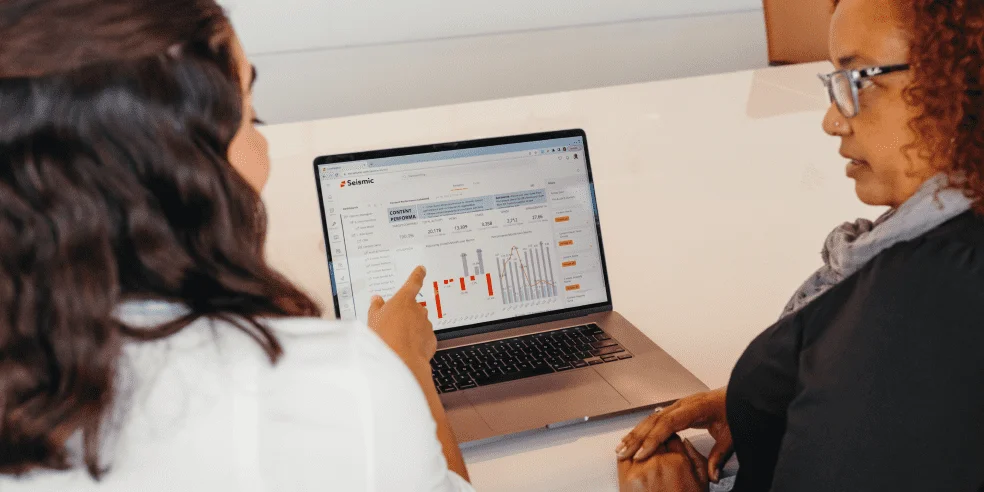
{"x": 870, "y": 196}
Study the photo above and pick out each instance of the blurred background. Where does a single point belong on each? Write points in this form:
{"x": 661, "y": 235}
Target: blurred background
{"x": 327, "y": 58}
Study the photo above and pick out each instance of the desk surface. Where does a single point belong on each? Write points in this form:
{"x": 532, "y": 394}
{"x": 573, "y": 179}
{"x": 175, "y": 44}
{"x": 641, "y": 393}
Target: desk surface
{"x": 715, "y": 194}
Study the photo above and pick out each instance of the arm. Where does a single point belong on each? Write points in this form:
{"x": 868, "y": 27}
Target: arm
{"x": 452, "y": 453}
{"x": 341, "y": 411}
{"x": 414, "y": 445}
{"x": 403, "y": 325}
{"x": 892, "y": 391}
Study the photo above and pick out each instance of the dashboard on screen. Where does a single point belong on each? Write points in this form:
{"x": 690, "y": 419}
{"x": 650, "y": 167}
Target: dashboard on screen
{"x": 504, "y": 231}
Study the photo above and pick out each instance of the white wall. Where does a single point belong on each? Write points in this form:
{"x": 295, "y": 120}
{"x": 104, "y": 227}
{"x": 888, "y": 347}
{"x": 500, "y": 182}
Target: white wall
{"x": 269, "y": 26}
{"x": 328, "y": 58}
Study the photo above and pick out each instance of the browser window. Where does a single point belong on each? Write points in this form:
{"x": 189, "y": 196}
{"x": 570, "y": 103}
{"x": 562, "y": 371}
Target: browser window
{"x": 504, "y": 231}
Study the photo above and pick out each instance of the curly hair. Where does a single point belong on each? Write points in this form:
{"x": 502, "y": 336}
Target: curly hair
{"x": 947, "y": 56}
{"x": 947, "y": 60}
{"x": 116, "y": 118}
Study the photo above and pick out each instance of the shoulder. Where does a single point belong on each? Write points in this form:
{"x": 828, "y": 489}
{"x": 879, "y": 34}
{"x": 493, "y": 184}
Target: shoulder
{"x": 327, "y": 364}
{"x": 927, "y": 292}
{"x": 921, "y": 300}
{"x": 333, "y": 346}
{"x": 952, "y": 254}
{"x": 956, "y": 246}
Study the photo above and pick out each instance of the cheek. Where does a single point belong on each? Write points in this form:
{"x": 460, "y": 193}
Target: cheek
{"x": 250, "y": 156}
{"x": 884, "y": 139}
{"x": 887, "y": 134}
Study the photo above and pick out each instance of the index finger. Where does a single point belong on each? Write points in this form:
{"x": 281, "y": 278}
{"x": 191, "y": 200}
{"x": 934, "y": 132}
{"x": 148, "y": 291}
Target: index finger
{"x": 414, "y": 283}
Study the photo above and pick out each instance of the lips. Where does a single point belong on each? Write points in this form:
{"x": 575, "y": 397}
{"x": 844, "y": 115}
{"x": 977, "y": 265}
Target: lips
{"x": 855, "y": 166}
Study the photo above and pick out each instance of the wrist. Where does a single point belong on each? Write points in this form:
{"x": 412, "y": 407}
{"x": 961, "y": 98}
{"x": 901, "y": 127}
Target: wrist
{"x": 421, "y": 370}
{"x": 411, "y": 359}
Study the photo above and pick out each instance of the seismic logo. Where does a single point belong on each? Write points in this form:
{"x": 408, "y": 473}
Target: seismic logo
{"x": 356, "y": 182}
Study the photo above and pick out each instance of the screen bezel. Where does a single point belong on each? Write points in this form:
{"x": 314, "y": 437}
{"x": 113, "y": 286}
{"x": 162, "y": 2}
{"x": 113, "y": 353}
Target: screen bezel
{"x": 488, "y": 326}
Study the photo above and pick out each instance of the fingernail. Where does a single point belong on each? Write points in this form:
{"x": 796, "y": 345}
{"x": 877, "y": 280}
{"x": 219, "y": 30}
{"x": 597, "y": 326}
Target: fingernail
{"x": 620, "y": 450}
{"x": 638, "y": 455}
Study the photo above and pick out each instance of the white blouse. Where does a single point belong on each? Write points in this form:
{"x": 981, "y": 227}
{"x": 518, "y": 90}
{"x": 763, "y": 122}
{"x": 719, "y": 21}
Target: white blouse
{"x": 204, "y": 410}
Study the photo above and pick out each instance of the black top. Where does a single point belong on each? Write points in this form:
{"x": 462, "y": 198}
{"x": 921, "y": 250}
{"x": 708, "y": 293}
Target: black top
{"x": 876, "y": 385}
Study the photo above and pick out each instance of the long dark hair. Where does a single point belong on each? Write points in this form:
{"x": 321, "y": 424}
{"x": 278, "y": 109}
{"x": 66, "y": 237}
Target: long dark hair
{"x": 116, "y": 118}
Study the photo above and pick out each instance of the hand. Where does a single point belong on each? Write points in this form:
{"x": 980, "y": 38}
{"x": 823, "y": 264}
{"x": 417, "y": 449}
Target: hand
{"x": 675, "y": 467}
{"x": 700, "y": 411}
{"x": 402, "y": 323}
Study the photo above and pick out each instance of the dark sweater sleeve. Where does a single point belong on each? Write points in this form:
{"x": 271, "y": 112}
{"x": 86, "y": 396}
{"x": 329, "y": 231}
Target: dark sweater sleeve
{"x": 891, "y": 396}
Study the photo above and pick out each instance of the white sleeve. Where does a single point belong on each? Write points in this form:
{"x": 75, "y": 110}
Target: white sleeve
{"x": 342, "y": 412}
{"x": 405, "y": 448}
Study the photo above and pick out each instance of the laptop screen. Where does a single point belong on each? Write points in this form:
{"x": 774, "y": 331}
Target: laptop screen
{"x": 505, "y": 231}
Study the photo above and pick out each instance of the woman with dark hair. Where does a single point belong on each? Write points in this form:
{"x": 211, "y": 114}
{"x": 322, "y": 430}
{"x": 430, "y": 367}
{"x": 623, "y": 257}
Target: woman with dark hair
{"x": 145, "y": 344}
{"x": 873, "y": 378}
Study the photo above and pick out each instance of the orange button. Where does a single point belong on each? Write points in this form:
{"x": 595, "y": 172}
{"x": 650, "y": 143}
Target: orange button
{"x": 573, "y": 287}
{"x": 566, "y": 243}
{"x": 569, "y": 264}
{"x": 562, "y": 219}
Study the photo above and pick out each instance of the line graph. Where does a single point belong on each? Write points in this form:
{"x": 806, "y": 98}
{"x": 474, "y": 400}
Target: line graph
{"x": 526, "y": 274}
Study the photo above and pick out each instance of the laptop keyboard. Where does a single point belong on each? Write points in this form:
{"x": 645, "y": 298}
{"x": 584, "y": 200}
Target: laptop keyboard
{"x": 522, "y": 357}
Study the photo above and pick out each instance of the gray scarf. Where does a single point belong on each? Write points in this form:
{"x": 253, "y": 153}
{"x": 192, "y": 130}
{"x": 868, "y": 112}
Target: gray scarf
{"x": 852, "y": 245}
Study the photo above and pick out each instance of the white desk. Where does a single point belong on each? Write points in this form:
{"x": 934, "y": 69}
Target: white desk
{"x": 715, "y": 194}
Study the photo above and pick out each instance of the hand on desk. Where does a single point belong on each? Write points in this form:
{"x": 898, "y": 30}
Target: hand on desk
{"x": 675, "y": 466}
{"x": 700, "y": 411}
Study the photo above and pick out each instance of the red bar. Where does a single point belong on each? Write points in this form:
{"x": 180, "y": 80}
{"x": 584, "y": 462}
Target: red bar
{"x": 437, "y": 300}
{"x": 445, "y": 282}
{"x": 462, "y": 283}
{"x": 473, "y": 278}
{"x": 422, "y": 304}
{"x": 488, "y": 278}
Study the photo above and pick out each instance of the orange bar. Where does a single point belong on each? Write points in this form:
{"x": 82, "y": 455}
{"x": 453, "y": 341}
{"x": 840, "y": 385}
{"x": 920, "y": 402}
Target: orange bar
{"x": 569, "y": 264}
{"x": 573, "y": 287}
{"x": 566, "y": 243}
{"x": 562, "y": 219}
{"x": 473, "y": 278}
{"x": 445, "y": 282}
{"x": 437, "y": 300}
{"x": 488, "y": 278}
{"x": 462, "y": 283}
{"x": 423, "y": 303}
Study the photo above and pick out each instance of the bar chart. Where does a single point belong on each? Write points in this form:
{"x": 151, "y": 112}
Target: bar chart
{"x": 466, "y": 296}
{"x": 477, "y": 285}
{"x": 476, "y": 268}
{"x": 526, "y": 274}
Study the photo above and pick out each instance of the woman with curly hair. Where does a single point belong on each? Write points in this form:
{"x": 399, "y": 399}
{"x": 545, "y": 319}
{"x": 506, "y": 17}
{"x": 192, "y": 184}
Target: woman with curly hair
{"x": 145, "y": 343}
{"x": 873, "y": 377}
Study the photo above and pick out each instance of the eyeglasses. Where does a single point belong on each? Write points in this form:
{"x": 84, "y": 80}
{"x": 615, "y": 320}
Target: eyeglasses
{"x": 843, "y": 86}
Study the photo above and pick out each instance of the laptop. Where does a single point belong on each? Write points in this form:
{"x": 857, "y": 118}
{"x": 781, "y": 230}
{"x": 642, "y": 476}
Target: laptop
{"x": 517, "y": 284}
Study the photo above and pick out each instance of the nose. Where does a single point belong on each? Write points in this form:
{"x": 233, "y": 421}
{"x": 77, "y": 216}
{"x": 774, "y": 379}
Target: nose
{"x": 834, "y": 123}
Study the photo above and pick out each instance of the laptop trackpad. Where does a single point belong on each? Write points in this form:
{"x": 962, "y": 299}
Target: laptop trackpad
{"x": 532, "y": 403}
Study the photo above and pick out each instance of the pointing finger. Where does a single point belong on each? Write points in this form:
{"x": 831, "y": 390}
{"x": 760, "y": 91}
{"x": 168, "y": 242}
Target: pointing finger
{"x": 413, "y": 285}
